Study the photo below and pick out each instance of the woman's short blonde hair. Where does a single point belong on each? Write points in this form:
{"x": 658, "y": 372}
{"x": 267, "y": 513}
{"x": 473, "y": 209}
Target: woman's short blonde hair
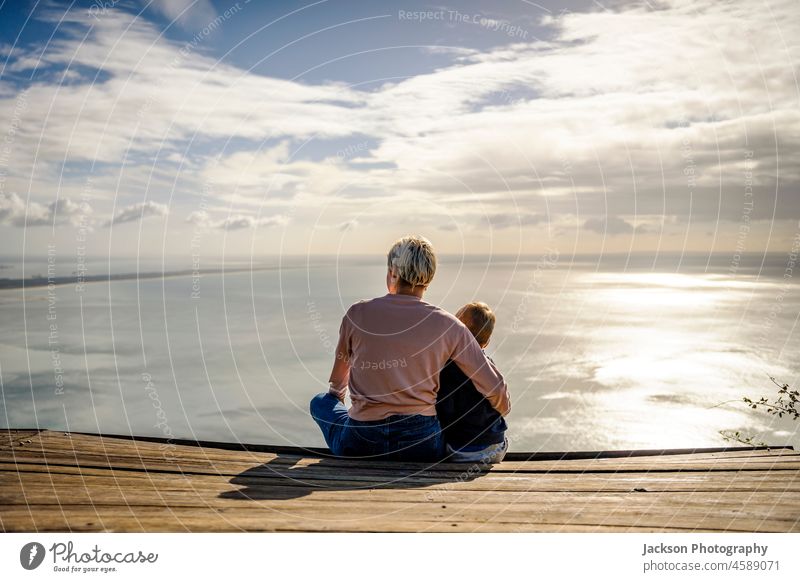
{"x": 413, "y": 260}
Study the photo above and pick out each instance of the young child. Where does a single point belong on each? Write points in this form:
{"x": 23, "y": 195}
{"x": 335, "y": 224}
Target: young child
{"x": 473, "y": 430}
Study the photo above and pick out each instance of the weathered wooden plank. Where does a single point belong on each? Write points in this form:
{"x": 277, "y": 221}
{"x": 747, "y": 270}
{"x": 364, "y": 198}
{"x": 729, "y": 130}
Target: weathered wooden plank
{"x": 650, "y": 483}
{"x": 380, "y": 502}
{"x": 309, "y": 518}
{"x": 710, "y": 481}
{"x": 279, "y": 449}
{"x": 57, "y": 441}
{"x": 105, "y": 443}
{"x": 321, "y": 467}
{"x": 18, "y": 482}
{"x": 787, "y": 481}
{"x": 520, "y": 511}
{"x": 88, "y": 521}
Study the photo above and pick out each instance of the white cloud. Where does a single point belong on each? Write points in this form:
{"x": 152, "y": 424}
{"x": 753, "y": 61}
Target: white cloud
{"x": 199, "y": 218}
{"x": 608, "y": 225}
{"x": 348, "y": 225}
{"x": 15, "y": 212}
{"x": 241, "y": 221}
{"x": 202, "y": 219}
{"x": 192, "y": 14}
{"x": 155, "y": 93}
{"x": 139, "y": 211}
{"x": 515, "y": 220}
{"x": 450, "y": 50}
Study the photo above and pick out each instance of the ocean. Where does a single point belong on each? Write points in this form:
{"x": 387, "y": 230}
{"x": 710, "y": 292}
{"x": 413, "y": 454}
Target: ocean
{"x": 600, "y": 353}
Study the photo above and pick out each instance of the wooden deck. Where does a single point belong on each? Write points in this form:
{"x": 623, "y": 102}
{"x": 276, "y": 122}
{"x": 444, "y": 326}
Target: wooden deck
{"x": 52, "y": 481}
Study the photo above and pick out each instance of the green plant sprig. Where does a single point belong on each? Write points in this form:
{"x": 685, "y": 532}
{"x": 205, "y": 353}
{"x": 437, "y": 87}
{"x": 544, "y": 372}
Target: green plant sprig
{"x": 737, "y": 437}
{"x": 785, "y": 403}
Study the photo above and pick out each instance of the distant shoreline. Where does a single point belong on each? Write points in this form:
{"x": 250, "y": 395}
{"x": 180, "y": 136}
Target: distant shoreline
{"x": 9, "y": 284}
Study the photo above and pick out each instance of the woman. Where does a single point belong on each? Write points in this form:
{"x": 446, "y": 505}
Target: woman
{"x": 390, "y": 352}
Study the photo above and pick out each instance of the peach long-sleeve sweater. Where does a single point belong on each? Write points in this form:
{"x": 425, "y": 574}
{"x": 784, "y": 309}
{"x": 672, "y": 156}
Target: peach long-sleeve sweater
{"x": 391, "y": 350}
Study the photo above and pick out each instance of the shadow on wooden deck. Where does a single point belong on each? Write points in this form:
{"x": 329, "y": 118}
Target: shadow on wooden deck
{"x": 303, "y": 480}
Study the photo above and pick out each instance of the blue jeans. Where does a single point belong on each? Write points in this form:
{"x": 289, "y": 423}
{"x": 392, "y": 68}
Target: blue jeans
{"x": 401, "y": 437}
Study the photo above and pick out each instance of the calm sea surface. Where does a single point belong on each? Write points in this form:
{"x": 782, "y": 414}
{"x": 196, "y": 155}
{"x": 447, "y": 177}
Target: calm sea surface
{"x": 599, "y": 354}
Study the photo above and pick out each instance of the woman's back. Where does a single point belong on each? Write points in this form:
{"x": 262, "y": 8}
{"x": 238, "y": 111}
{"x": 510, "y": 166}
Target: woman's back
{"x": 391, "y": 351}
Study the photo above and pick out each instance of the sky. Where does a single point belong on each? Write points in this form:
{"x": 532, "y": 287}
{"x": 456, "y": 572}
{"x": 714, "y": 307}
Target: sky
{"x": 173, "y": 127}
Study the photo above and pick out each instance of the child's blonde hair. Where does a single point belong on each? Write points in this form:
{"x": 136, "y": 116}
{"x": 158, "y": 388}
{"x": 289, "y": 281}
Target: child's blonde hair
{"x": 479, "y": 319}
